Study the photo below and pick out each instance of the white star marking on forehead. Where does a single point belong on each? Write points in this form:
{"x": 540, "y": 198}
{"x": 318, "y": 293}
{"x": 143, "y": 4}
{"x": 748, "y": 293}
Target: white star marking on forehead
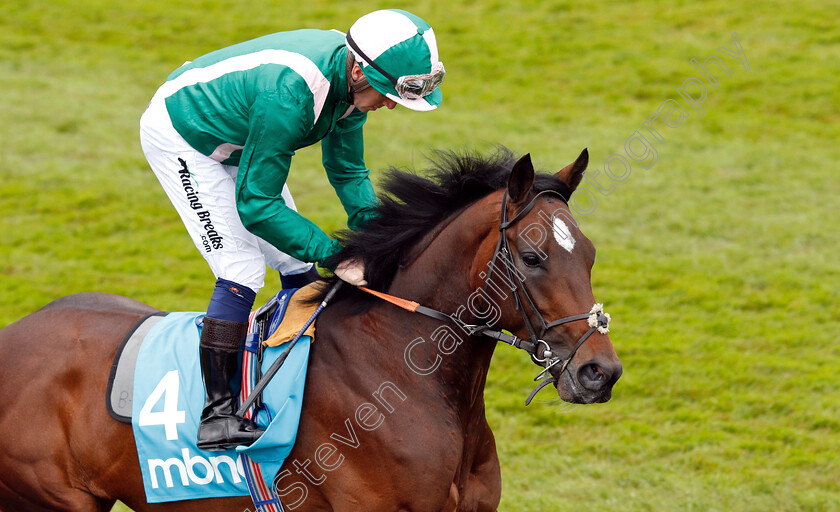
{"x": 563, "y": 235}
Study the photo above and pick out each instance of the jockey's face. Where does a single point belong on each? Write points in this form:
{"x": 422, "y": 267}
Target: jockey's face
{"x": 369, "y": 99}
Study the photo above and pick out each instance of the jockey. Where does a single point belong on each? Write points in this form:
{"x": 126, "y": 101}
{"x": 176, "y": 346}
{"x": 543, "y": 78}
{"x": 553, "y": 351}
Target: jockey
{"x": 219, "y": 135}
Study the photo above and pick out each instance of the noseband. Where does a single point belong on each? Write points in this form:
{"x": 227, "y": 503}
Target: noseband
{"x": 539, "y": 349}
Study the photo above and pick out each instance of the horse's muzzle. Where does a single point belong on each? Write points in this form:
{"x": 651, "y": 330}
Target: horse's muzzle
{"x": 589, "y": 383}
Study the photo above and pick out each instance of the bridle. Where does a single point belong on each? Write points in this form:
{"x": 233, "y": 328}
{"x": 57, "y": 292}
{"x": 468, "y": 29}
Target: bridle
{"x": 537, "y": 347}
{"x": 539, "y": 350}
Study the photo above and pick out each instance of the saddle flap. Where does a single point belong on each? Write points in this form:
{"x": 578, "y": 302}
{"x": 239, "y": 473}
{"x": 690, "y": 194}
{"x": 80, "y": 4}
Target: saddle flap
{"x": 300, "y": 309}
{"x": 120, "y": 390}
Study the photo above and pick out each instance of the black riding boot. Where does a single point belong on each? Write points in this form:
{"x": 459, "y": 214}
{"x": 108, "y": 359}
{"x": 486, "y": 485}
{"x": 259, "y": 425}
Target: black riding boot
{"x": 221, "y": 343}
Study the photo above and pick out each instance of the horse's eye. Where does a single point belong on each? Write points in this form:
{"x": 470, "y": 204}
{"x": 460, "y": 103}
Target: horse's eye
{"x": 530, "y": 259}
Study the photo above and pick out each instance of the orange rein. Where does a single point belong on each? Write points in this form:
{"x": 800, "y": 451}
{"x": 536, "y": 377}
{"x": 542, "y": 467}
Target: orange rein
{"x": 409, "y": 305}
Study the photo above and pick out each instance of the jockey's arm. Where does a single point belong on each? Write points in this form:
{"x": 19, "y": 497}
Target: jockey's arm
{"x": 342, "y": 152}
{"x": 276, "y": 128}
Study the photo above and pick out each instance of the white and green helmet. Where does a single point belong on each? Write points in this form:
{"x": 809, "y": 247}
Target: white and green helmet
{"x": 398, "y": 53}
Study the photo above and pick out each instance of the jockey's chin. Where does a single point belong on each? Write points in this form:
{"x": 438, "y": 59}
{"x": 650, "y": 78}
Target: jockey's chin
{"x": 370, "y": 99}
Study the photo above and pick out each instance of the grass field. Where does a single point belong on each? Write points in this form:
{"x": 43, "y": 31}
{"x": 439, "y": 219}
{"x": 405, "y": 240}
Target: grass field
{"x": 718, "y": 263}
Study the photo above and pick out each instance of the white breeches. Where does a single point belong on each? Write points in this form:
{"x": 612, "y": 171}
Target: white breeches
{"x": 203, "y": 192}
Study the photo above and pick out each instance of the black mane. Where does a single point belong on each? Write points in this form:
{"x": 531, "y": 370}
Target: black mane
{"x": 412, "y": 205}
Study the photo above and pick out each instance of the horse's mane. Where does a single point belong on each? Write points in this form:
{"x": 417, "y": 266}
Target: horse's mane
{"x": 413, "y": 204}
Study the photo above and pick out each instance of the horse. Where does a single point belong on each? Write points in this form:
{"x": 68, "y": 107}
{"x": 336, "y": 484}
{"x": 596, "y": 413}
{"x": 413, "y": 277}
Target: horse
{"x": 394, "y": 414}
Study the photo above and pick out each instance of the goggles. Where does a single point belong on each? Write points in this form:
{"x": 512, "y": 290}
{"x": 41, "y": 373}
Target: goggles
{"x": 412, "y": 87}
{"x": 409, "y": 87}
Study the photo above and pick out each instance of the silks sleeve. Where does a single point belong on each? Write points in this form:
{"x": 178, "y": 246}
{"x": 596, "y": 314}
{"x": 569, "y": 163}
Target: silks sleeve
{"x": 342, "y": 152}
{"x": 278, "y": 121}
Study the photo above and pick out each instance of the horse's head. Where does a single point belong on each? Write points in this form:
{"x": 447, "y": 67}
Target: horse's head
{"x": 436, "y": 238}
{"x": 541, "y": 268}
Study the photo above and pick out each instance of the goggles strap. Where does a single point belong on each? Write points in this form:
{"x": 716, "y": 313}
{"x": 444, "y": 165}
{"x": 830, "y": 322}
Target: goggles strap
{"x": 367, "y": 59}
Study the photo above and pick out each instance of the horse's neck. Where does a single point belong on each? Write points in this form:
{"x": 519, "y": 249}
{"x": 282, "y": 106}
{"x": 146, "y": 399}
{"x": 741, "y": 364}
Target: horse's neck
{"x": 439, "y": 278}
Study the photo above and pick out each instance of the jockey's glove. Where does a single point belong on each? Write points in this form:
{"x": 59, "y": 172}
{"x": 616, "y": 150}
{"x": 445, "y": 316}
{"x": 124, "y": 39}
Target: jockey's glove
{"x": 352, "y": 271}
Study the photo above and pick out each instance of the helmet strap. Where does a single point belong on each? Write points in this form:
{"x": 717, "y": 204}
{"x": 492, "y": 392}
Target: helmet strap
{"x": 354, "y": 86}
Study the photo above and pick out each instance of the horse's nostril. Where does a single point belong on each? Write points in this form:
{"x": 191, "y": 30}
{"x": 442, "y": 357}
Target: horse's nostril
{"x": 593, "y": 377}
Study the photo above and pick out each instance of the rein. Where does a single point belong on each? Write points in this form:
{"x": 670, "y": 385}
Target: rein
{"x": 535, "y": 346}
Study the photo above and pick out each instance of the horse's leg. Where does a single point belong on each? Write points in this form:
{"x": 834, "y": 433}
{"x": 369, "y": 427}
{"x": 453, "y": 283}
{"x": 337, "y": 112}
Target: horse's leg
{"x": 59, "y": 449}
{"x": 483, "y": 488}
{"x": 454, "y": 499}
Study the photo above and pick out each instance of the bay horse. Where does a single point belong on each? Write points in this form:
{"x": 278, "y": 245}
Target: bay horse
{"x": 393, "y": 415}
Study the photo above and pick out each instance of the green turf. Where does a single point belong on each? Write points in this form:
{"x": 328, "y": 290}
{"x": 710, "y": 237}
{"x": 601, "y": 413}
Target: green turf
{"x": 718, "y": 264}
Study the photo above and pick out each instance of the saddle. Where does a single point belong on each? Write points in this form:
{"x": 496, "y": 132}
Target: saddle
{"x": 281, "y": 319}
{"x": 155, "y": 384}
{"x": 299, "y": 309}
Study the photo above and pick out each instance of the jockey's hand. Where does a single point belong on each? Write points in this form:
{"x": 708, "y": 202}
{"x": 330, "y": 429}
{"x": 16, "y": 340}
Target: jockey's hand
{"x": 352, "y": 271}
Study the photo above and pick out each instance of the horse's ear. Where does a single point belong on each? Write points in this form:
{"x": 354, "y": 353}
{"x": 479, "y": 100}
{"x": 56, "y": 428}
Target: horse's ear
{"x": 521, "y": 179}
{"x": 573, "y": 173}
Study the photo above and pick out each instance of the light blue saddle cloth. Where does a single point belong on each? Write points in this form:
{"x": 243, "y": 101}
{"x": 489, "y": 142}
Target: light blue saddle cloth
{"x": 167, "y": 404}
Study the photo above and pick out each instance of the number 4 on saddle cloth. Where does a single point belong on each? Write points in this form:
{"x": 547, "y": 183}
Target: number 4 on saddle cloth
{"x": 156, "y": 386}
